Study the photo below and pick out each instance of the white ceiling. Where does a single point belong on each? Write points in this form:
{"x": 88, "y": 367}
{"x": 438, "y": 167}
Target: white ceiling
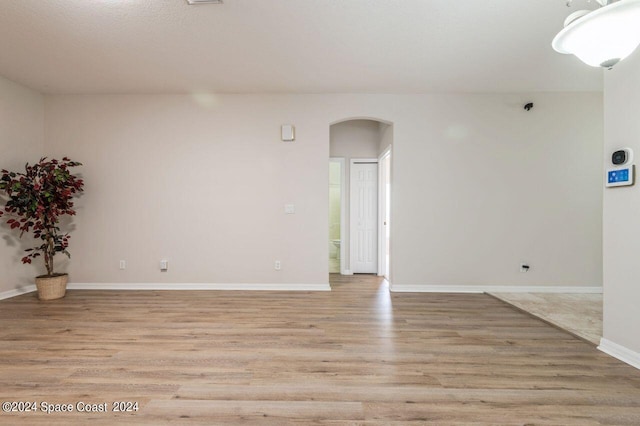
{"x": 289, "y": 46}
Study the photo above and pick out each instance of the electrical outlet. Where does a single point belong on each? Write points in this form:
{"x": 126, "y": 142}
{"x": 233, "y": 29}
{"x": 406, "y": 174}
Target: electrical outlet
{"x": 524, "y": 267}
{"x": 277, "y": 265}
{"x": 123, "y": 264}
{"x": 164, "y": 265}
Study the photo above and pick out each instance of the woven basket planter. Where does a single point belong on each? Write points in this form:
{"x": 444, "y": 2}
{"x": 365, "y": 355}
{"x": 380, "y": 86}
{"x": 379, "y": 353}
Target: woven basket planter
{"x": 50, "y": 288}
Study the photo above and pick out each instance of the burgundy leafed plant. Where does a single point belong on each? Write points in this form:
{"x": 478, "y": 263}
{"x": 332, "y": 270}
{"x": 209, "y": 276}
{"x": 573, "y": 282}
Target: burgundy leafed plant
{"x": 37, "y": 199}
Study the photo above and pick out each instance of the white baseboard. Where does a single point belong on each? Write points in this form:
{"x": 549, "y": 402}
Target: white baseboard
{"x": 415, "y": 288}
{"x": 17, "y": 291}
{"x": 620, "y": 352}
{"x": 198, "y": 286}
{"x": 346, "y": 272}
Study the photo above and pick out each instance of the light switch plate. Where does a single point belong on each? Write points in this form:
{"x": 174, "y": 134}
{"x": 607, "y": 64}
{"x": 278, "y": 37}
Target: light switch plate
{"x": 288, "y": 133}
{"x": 289, "y": 208}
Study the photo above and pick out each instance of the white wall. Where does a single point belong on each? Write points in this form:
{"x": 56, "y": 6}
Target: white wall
{"x": 621, "y": 225}
{"x": 201, "y": 184}
{"x": 354, "y": 139}
{"x": 21, "y": 141}
{"x": 479, "y": 185}
{"x": 385, "y": 131}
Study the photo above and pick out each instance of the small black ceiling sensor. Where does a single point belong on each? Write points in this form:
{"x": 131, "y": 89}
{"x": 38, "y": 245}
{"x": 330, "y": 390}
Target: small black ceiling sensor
{"x": 528, "y": 106}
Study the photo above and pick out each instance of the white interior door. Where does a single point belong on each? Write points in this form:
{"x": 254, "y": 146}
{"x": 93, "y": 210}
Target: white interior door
{"x": 364, "y": 216}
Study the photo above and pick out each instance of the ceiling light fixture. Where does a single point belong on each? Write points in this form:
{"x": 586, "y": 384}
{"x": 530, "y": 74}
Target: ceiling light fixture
{"x": 192, "y": 2}
{"x": 602, "y": 37}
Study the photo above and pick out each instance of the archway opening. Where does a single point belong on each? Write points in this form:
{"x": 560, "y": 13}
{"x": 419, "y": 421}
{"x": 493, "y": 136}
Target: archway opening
{"x": 360, "y": 182}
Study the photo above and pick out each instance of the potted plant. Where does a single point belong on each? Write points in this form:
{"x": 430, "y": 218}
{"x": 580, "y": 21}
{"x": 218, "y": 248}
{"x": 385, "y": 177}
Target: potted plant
{"x": 38, "y": 198}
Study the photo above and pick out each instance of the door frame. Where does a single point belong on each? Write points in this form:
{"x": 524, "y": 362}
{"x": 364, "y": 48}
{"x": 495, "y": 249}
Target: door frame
{"x": 383, "y": 266}
{"x": 352, "y": 161}
{"x": 343, "y": 212}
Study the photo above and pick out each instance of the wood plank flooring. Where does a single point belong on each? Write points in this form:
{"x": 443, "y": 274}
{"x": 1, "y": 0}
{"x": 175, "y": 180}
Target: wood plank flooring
{"x": 353, "y": 356}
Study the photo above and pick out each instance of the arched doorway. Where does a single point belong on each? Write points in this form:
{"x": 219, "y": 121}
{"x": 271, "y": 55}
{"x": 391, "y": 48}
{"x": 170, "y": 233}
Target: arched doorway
{"x": 360, "y": 196}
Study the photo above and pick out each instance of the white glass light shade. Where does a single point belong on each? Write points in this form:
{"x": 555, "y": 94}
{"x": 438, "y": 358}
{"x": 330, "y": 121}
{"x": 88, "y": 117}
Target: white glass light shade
{"x": 603, "y": 37}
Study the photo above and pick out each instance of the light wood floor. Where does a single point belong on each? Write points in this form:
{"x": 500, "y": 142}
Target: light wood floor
{"x": 356, "y": 355}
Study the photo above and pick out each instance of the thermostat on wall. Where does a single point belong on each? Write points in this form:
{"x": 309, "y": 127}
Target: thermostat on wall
{"x": 620, "y": 176}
